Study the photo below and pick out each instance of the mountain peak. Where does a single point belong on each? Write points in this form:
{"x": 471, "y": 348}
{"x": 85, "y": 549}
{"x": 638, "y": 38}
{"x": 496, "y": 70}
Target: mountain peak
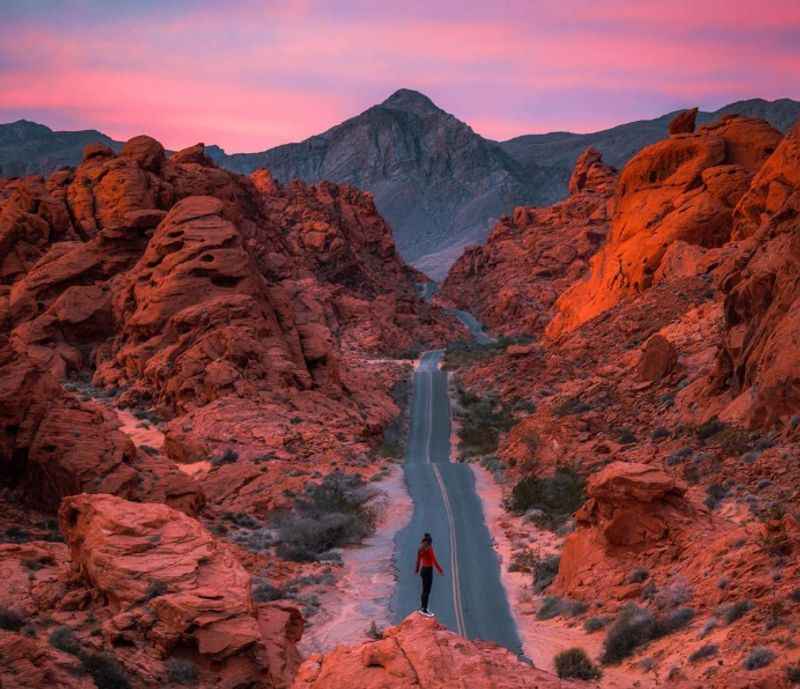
{"x": 409, "y": 100}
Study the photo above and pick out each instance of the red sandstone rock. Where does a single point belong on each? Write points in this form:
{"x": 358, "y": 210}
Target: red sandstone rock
{"x": 680, "y": 189}
{"x": 512, "y": 282}
{"x": 683, "y": 122}
{"x": 658, "y": 359}
{"x": 124, "y": 550}
{"x": 419, "y": 652}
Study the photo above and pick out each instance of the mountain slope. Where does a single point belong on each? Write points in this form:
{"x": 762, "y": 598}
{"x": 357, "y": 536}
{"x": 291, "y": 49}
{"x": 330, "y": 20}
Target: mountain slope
{"x": 438, "y": 182}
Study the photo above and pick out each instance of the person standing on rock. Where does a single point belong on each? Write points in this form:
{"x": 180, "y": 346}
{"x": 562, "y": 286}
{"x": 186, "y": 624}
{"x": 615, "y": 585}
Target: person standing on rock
{"x": 426, "y": 561}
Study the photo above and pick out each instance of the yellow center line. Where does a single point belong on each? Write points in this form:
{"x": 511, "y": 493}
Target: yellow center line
{"x": 455, "y": 578}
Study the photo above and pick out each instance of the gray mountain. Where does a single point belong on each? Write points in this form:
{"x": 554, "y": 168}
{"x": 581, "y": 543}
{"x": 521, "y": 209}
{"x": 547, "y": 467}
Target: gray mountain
{"x": 438, "y": 183}
{"x": 28, "y": 148}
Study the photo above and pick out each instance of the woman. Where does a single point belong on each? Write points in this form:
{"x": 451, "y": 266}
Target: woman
{"x": 426, "y": 561}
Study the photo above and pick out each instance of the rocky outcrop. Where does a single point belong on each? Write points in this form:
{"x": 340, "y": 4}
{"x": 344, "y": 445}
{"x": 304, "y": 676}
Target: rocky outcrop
{"x": 197, "y": 594}
{"x": 419, "y": 652}
{"x": 167, "y": 285}
{"x": 513, "y": 280}
{"x": 139, "y": 595}
{"x": 758, "y": 360}
{"x": 54, "y": 445}
{"x": 683, "y": 122}
{"x": 681, "y": 189}
{"x": 630, "y": 506}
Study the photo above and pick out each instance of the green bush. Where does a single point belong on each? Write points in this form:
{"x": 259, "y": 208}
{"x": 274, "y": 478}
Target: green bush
{"x": 328, "y": 515}
{"x": 632, "y": 628}
{"x": 636, "y": 626}
{"x": 557, "y": 496}
{"x": 575, "y": 664}
{"x": 595, "y": 624}
{"x": 182, "y": 671}
{"x": 550, "y": 608}
{"x": 483, "y": 419}
{"x": 264, "y": 592}
{"x": 734, "y": 611}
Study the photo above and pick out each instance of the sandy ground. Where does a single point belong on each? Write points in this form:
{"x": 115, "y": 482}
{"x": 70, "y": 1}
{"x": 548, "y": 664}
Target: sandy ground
{"x": 541, "y": 640}
{"x": 366, "y": 584}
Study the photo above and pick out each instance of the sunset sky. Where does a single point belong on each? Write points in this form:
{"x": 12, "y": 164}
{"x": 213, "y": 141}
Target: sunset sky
{"x": 248, "y": 75}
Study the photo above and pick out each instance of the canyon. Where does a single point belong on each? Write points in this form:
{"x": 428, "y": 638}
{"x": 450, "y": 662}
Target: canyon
{"x": 210, "y": 376}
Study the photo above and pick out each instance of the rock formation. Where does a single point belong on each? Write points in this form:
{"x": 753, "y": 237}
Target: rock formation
{"x": 681, "y": 189}
{"x": 419, "y": 652}
{"x": 512, "y": 281}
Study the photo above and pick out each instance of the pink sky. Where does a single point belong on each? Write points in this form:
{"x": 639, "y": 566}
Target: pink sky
{"x": 253, "y": 74}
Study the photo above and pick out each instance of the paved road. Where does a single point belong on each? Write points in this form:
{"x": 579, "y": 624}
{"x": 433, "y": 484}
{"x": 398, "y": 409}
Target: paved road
{"x": 469, "y": 599}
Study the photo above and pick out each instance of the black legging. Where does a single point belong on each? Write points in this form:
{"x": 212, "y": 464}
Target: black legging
{"x": 427, "y": 581}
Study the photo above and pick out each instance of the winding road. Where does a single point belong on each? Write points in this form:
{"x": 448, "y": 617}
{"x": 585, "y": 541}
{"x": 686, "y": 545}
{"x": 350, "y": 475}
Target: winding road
{"x": 469, "y": 598}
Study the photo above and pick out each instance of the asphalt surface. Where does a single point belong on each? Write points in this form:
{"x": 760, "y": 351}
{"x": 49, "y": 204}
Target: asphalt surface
{"x": 469, "y": 598}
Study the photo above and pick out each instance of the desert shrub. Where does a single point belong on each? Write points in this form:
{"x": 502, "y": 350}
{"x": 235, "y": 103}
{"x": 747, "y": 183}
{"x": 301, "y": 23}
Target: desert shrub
{"x": 106, "y": 671}
{"x": 36, "y": 563}
{"x": 676, "y": 593}
{"x": 638, "y": 575}
{"x": 715, "y": 494}
{"x": 228, "y": 457}
{"x": 374, "y": 631}
{"x": 733, "y": 441}
{"x": 550, "y": 608}
{"x": 709, "y": 429}
{"x": 708, "y": 627}
{"x": 707, "y": 651}
{"x": 544, "y": 572}
{"x": 759, "y": 657}
{"x": 483, "y": 419}
{"x": 626, "y": 436}
{"x": 595, "y": 624}
{"x": 553, "y": 606}
{"x": 264, "y": 592}
{"x": 673, "y": 621}
{"x": 557, "y": 496}
{"x": 793, "y": 674}
{"x": 573, "y": 405}
{"x": 182, "y": 671}
{"x": 155, "y": 589}
{"x": 575, "y": 664}
{"x": 10, "y": 621}
{"x": 633, "y": 627}
{"x": 659, "y": 434}
{"x": 329, "y": 514}
{"x": 679, "y": 456}
{"x": 64, "y": 639}
{"x": 14, "y": 534}
{"x": 795, "y": 595}
{"x": 734, "y": 611}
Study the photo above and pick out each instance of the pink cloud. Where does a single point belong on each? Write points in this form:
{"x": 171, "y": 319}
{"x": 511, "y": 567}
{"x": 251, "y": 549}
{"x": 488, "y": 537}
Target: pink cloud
{"x": 254, "y": 74}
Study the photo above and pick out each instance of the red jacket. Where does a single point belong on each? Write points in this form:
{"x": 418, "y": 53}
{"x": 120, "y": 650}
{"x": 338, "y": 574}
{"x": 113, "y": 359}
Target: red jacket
{"x": 427, "y": 558}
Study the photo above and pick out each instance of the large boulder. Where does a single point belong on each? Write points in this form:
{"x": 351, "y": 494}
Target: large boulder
{"x": 683, "y": 122}
{"x": 631, "y": 507}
